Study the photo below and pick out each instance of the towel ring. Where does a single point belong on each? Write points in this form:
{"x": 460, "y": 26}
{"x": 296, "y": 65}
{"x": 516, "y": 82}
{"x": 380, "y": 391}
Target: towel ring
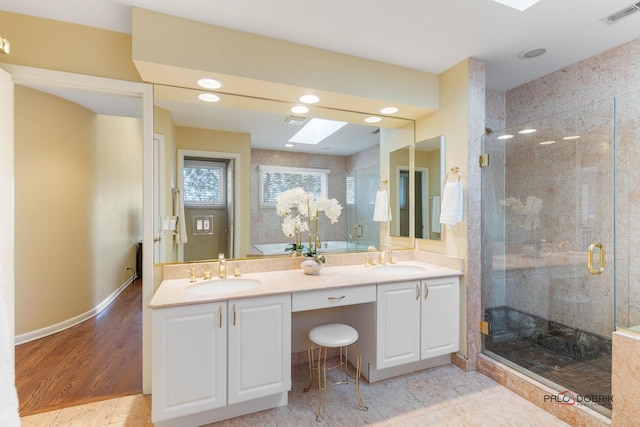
{"x": 455, "y": 171}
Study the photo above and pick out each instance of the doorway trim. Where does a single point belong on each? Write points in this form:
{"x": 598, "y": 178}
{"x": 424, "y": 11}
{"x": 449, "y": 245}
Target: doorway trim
{"x": 182, "y": 153}
{"x": 24, "y": 75}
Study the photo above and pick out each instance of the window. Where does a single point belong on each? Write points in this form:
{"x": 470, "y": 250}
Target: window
{"x": 276, "y": 179}
{"x": 204, "y": 183}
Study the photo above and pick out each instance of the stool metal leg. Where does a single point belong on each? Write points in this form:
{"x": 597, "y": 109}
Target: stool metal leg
{"x": 358, "y": 371}
{"x": 310, "y": 361}
{"x": 322, "y": 384}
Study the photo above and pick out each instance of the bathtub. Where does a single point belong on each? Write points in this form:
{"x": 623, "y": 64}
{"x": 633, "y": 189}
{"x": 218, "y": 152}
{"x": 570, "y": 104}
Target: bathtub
{"x": 328, "y": 246}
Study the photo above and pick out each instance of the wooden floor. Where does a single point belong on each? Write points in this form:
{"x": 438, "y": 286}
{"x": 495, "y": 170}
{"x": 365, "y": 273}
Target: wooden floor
{"x": 98, "y": 359}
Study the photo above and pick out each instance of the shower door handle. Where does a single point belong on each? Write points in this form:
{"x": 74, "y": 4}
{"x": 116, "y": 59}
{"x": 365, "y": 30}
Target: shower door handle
{"x": 595, "y": 272}
{"x": 358, "y": 230}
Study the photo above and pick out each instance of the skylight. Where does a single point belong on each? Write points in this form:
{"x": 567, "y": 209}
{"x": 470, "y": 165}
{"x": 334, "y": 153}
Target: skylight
{"x": 316, "y": 130}
{"x": 520, "y": 5}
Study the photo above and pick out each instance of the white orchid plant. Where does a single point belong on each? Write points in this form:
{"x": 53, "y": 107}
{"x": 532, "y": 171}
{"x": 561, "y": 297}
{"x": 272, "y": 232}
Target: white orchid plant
{"x": 300, "y": 211}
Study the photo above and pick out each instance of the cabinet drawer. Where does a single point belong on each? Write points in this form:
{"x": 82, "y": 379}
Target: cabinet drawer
{"x": 313, "y": 300}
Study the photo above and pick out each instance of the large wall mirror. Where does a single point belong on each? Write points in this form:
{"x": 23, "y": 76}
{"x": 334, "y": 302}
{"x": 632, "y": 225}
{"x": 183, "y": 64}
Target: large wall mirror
{"x": 399, "y": 191}
{"x": 415, "y": 183}
{"x": 428, "y": 158}
{"x": 237, "y": 148}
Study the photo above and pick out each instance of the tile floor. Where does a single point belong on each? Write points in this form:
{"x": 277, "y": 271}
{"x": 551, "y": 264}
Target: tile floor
{"x": 443, "y": 396}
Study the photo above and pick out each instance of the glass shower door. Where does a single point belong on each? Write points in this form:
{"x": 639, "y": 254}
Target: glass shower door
{"x": 548, "y": 245}
{"x": 362, "y": 231}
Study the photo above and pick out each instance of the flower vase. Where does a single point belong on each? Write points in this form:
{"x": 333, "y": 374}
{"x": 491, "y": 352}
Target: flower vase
{"x": 310, "y": 265}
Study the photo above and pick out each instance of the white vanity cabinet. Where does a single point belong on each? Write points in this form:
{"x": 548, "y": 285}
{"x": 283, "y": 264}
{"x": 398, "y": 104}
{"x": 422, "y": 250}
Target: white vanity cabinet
{"x": 440, "y": 317}
{"x": 417, "y": 320}
{"x": 214, "y": 355}
{"x": 259, "y": 347}
{"x": 189, "y": 360}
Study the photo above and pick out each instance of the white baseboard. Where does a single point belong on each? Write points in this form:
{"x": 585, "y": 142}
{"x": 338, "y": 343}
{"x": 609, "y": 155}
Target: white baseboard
{"x": 61, "y": 326}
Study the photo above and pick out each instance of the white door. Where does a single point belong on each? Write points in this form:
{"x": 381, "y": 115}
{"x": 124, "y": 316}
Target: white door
{"x": 189, "y": 360}
{"x": 230, "y": 209}
{"x": 397, "y": 324}
{"x": 159, "y": 202}
{"x": 440, "y": 317}
{"x": 259, "y": 355}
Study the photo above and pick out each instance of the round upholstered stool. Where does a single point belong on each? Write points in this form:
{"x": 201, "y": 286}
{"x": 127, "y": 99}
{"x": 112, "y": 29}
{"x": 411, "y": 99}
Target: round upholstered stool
{"x": 324, "y": 337}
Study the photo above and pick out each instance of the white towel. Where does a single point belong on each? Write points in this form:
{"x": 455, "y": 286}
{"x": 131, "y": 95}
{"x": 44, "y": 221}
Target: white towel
{"x": 435, "y": 214}
{"x": 9, "y": 415}
{"x": 178, "y": 210}
{"x": 451, "y": 209}
{"x": 382, "y": 208}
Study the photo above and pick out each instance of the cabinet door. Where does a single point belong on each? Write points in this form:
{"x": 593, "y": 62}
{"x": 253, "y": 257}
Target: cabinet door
{"x": 189, "y": 348}
{"x": 440, "y": 316}
{"x": 397, "y": 324}
{"x": 259, "y": 355}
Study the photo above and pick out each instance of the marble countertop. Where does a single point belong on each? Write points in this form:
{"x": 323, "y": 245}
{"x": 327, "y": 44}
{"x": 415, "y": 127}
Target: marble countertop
{"x": 176, "y": 292}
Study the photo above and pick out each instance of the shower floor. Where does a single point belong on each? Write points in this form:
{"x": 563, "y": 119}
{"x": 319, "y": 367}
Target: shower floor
{"x": 584, "y": 377}
{"x": 572, "y": 359}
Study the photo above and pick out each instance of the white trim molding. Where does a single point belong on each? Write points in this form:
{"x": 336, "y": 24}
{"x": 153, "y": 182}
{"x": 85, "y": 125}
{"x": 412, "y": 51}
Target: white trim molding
{"x": 66, "y": 324}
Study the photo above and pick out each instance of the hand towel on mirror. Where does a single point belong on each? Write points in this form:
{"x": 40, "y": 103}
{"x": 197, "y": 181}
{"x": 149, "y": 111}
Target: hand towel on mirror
{"x": 382, "y": 208}
{"x": 181, "y": 230}
{"x": 451, "y": 205}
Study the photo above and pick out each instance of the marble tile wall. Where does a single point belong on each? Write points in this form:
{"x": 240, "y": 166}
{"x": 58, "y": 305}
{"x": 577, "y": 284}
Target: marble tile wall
{"x": 266, "y": 225}
{"x": 575, "y": 177}
{"x": 626, "y": 379}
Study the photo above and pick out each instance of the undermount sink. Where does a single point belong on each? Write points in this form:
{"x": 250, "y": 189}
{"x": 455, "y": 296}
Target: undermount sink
{"x": 223, "y": 286}
{"x": 399, "y": 269}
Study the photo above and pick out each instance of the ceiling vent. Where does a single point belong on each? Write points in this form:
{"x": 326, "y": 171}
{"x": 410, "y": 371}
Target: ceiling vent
{"x": 611, "y": 19}
{"x": 294, "y": 120}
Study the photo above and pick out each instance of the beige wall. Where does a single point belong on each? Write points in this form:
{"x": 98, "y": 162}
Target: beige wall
{"x": 226, "y": 142}
{"x": 167, "y": 43}
{"x": 78, "y": 207}
{"x": 56, "y": 45}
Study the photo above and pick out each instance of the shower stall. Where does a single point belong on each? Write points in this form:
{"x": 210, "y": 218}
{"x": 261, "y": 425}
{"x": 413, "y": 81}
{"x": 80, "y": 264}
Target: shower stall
{"x": 362, "y": 185}
{"x": 560, "y": 198}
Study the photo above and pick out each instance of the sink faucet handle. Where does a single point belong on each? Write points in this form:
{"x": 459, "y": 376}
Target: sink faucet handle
{"x": 222, "y": 266}
{"x": 192, "y": 274}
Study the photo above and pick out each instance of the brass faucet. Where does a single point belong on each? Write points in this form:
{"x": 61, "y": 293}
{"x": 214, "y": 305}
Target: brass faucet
{"x": 192, "y": 275}
{"x": 222, "y": 266}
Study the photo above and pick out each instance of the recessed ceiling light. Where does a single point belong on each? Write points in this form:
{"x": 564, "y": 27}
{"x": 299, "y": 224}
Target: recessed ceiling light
{"x": 309, "y": 99}
{"x": 570, "y": 137}
{"x": 209, "y": 83}
{"x": 507, "y": 136}
{"x": 288, "y": 145}
{"x": 526, "y": 131}
{"x": 547, "y": 142}
{"x": 299, "y": 109}
{"x": 372, "y": 119}
{"x": 208, "y": 97}
{"x": 532, "y": 52}
{"x": 389, "y": 110}
{"x": 520, "y": 5}
{"x": 316, "y": 130}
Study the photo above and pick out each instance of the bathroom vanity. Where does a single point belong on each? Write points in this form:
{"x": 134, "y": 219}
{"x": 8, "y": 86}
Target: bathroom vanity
{"x": 221, "y": 352}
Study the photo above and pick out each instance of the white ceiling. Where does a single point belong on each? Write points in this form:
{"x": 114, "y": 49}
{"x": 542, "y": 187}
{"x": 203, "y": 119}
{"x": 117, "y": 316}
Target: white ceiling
{"x": 428, "y": 35}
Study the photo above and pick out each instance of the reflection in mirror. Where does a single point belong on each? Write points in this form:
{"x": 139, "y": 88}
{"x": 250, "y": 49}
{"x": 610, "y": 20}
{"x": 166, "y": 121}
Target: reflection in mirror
{"x": 399, "y": 187}
{"x": 428, "y": 167}
{"x": 252, "y": 136}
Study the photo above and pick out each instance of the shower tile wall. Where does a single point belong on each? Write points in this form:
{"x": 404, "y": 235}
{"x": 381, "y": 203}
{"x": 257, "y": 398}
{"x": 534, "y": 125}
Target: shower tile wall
{"x": 628, "y": 210}
{"x": 266, "y": 225}
{"x": 365, "y": 167}
{"x": 559, "y": 174}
